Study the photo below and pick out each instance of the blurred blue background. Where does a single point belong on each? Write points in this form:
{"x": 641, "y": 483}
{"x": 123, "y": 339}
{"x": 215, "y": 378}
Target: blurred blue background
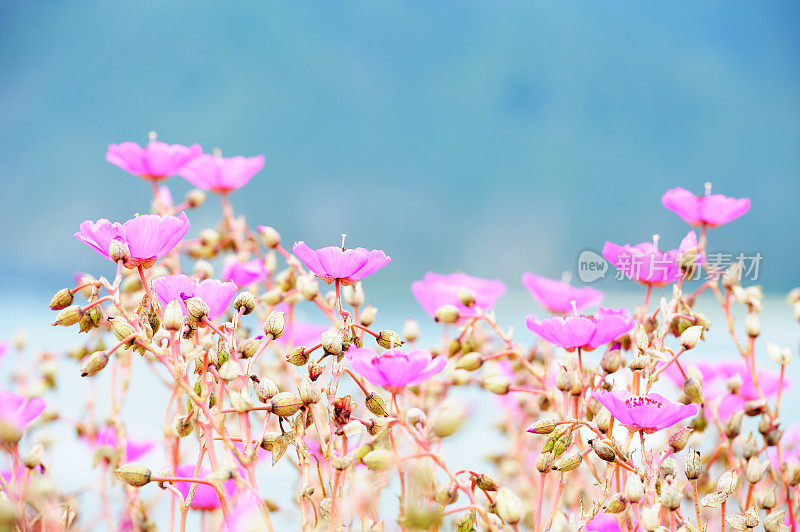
{"x": 491, "y": 137}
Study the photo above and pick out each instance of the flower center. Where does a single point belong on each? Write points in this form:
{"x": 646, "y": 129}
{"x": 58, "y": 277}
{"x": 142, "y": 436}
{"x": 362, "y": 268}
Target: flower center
{"x": 643, "y": 401}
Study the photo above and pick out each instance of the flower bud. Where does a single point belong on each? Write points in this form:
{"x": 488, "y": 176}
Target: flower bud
{"x": 415, "y": 416}
{"x": 298, "y": 356}
{"x": 272, "y": 297}
{"x": 388, "y": 339}
{"x": 714, "y": 499}
{"x": 270, "y": 237}
{"x": 693, "y": 465}
{"x": 173, "y": 316}
{"x": 752, "y": 325}
{"x": 791, "y": 470}
{"x": 410, "y": 330}
{"x": 62, "y": 299}
{"x": 249, "y": 347}
{"x": 650, "y": 518}
{"x": 778, "y": 355}
{"x": 119, "y": 251}
{"x": 275, "y": 324}
{"x": 470, "y": 361}
{"x": 446, "y": 494}
{"x": 308, "y": 287}
{"x": 94, "y": 363}
{"x": 670, "y": 497}
{"x": 568, "y": 462}
{"x": 497, "y": 384}
{"x": 353, "y": 294}
{"x": 183, "y": 426}
{"x": 765, "y": 498}
{"x": 196, "y": 197}
{"x": 466, "y": 297}
{"x": 240, "y": 401}
{"x": 680, "y": 438}
{"x": 134, "y": 474}
{"x": 603, "y": 450}
{"x": 509, "y": 507}
{"x": 616, "y": 504}
{"x": 691, "y": 336}
{"x": 751, "y": 517}
{"x": 332, "y": 342}
{"x": 603, "y": 420}
{"x": 310, "y": 392}
{"x": 642, "y": 340}
{"x": 693, "y": 390}
{"x": 265, "y": 389}
{"x": 775, "y": 521}
{"x": 736, "y": 522}
{"x": 543, "y": 426}
{"x": 244, "y": 302}
{"x": 121, "y": 328}
{"x": 378, "y": 459}
{"x": 634, "y": 489}
{"x": 446, "y": 314}
{"x": 754, "y": 471}
{"x": 544, "y": 462}
{"x": 376, "y": 404}
{"x": 486, "y": 483}
{"x": 639, "y": 363}
{"x": 34, "y": 457}
{"x": 368, "y": 315}
{"x": 447, "y": 420}
{"x": 229, "y": 370}
{"x": 564, "y": 379}
{"x": 727, "y": 482}
{"x": 68, "y": 316}
{"x": 196, "y": 308}
{"x": 668, "y": 468}
{"x": 611, "y": 361}
{"x": 734, "y": 424}
{"x": 285, "y": 404}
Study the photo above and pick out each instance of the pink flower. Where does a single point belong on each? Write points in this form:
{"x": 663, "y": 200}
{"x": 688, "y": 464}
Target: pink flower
{"x": 586, "y": 332}
{"x": 557, "y": 296}
{"x": 393, "y": 369}
{"x": 221, "y": 174}
{"x": 649, "y": 412}
{"x": 149, "y": 237}
{"x": 155, "y": 161}
{"x": 647, "y": 264}
{"x": 603, "y": 523}
{"x": 17, "y": 412}
{"x": 333, "y": 263}
{"x": 165, "y": 197}
{"x": 216, "y": 294}
{"x": 3, "y": 350}
{"x": 244, "y": 273}
{"x": 205, "y": 497}
{"x": 246, "y": 516}
{"x": 107, "y": 437}
{"x": 436, "y": 290}
{"x": 712, "y": 209}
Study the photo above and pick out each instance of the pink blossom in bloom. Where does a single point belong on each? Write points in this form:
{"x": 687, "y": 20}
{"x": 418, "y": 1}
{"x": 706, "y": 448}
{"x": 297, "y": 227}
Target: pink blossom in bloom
{"x": 221, "y": 174}
{"x": 436, "y": 290}
{"x": 17, "y": 412}
{"x": 603, "y": 523}
{"x": 107, "y": 437}
{"x": 205, "y": 497}
{"x": 647, "y": 264}
{"x": 149, "y": 237}
{"x": 155, "y": 161}
{"x": 649, "y": 412}
{"x": 333, "y": 263}
{"x": 394, "y": 369}
{"x": 712, "y": 209}
{"x": 586, "y": 332}
{"x": 557, "y": 296}
{"x": 244, "y": 273}
{"x": 216, "y": 294}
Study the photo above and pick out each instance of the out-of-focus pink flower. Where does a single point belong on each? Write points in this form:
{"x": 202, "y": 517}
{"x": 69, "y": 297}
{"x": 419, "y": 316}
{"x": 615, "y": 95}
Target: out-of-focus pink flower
{"x": 246, "y": 516}
{"x": 394, "y": 369}
{"x": 649, "y": 412}
{"x": 647, "y": 264}
{"x": 712, "y": 209}
{"x": 155, "y": 161}
{"x": 107, "y": 437}
{"x": 3, "y": 350}
{"x": 557, "y": 296}
{"x": 586, "y": 332}
{"x": 17, "y": 412}
{"x": 165, "y": 197}
{"x": 216, "y": 294}
{"x": 333, "y": 263}
{"x": 221, "y": 174}
{"x": 603, "y": 523}
{"x": 149, "y": 237}
{"x": 436, "y": 290}
{"x": 205, "y": 497}
{"x": 244, "y": 273}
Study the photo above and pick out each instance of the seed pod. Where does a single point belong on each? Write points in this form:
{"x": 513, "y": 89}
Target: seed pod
{"x": 603, "y": 419}
{"x": 754, "y": 471}
{"x": 447, "y": 420}
{"x": 308, "y": 287}
{"x": 470, "y": 361}
{"x": 119, "y": 251}
{"x": 376, "y": 404}
{"x": 642, "y": 340}
{"x": 603, "y": 450}
{"x": 486, "y": 483}
{"x": 650, "y": 518}
{"x": 691, "y": 337}
{"x": 611, "y": 361}
{"x": 670, "y": 497}
{"x": 377, "y": 425}
{"x": 791, "y": 470}
{"x": 693, "y": 465}
{"x": 94, "y": 363}
{"x": 272, "y": 297}
{"x": 134, "y": 474}
{"x": 508, "y": 506}
{"x": 122, "y": 329}
{"x": 568, "y": 462}
{"x": 265, "y": 389}
{"x": 285, "y": 404}
{"x": 240, "y": 401}
{"x": 275, "y": 324}
{"x": 183, "y": 426}
{"x": 62, "y": 299}
{"x": 680, "y": 438}
{"x": 368, "y": 315}
{"x": 68, "y": 316}
{"x": 693, "y": 390}
{"x": 751, "y": 517}
{"x": 634, "y": 489}
{"x": 639, "y": 363}
{"x": 564, "y": 379}
{"x": 378, "y": 459}
{"x": 332, "y": 342}
{"x": 244, "y": 302}
{"x": 310, "y": 392}
{"x": 497, "y": 384}
{"x": 734, "y": 424}
{"x": 774, "y": 521}
{"x": 544, "y": 462}
{"x": 736, "y": 522}
{"x": 668, "y": 468}
{"x": 765, "y": 498}
{"x": 752, "y": 325}
{"x": 727, "y": 482}
{"x": 353, "y": 294}
{"x": 196, "y": 308}
{"x": 446, "y": 314}
{"x": 388, "y": 339}
{"x": 173, "y": 316}
{"x": 616, "y": 504}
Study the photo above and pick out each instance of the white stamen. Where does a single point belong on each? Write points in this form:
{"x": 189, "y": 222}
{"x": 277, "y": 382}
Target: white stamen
{"x": 152, "y": 136}
{"x": 566, "y": 277}
{"x": 344, "y": 235}
{"x": 655, "y": 240}
{"x": 574, "y": 306}
{"x": 708, "y": 188}
{"x": 217, "y": 152}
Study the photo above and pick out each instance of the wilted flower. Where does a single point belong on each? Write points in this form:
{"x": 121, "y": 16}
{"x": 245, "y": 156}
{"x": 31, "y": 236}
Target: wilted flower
{"x": 216, "y": 294}
{"x": 244, "y": 273}
{"x": 333, "y": 263}
{"x": 148, "y": 237}
{"x": 221, "y": 174}
{"x": 394, "y": 369}
{"x": 647, "y": 264}
{"x": 155, "y": 161}
{"x": 436, "y": 290}
{"x": 649, "y": 412}
{"x": 557, "y": 296}
{"x": 586, "y": 332}
{"x": 711, "y": 209}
